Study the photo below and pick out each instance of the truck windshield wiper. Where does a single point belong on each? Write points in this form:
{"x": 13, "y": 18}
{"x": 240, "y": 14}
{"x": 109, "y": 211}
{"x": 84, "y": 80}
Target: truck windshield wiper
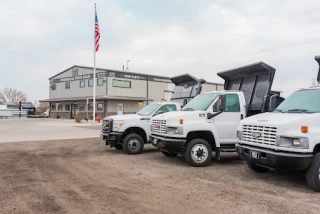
{"x": 188, "y": 109}
{"x": 278, "y": 110}
{"x": 299, "y": 110}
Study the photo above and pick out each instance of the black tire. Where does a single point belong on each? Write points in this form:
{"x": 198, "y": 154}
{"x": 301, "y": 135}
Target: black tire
{"x": 133, "y": 144}
{"x": 313, "y": 173}
{"x": 203, "y": 154}
{"x": 257, "y": 168}
{"x": 169, "y": 154}
{"x": 118, "y": 146}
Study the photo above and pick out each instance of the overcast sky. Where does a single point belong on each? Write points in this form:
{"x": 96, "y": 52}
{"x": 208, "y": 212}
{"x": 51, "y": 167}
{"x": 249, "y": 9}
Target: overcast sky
{"x": 40, "y": 38}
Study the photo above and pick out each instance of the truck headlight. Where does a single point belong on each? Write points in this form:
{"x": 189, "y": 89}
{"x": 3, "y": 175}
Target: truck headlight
{"x": 174, "y": 130}
{"x": 298, "y": 142}
{"x": 117, "y": 125}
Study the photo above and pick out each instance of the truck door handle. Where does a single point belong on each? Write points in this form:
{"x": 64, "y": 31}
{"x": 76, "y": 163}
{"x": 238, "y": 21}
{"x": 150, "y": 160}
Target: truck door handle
{"x": 241, "y": 116}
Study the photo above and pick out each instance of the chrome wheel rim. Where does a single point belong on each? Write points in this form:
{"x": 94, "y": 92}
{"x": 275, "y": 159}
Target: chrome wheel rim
{"x": 199, "y": 153}
{"x": 134, "y": 144}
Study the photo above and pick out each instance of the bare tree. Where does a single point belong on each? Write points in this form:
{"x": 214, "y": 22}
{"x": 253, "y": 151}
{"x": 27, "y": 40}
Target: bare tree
{"x": 42, "y": 107}
{"x": 12, "y": 95}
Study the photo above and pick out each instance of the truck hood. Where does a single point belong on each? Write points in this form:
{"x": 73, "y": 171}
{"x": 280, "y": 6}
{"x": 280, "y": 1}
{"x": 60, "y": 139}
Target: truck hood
{"x": 173, "y": 118}
{"x": 125, "y": 117}
{"x": 276, "y": 119}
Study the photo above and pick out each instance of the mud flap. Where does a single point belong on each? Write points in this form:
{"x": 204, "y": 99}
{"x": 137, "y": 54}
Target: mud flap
{"x": 218, "y": 153}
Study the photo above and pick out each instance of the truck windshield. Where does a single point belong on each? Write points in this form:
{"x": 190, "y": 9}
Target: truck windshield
{"x": 305, "y": 101}
{"x": 148, "y": 110}
{"x": 200, "y": 102}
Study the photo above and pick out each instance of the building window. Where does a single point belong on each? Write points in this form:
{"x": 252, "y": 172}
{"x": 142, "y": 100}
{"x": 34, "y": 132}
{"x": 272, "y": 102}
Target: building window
{"x": 82, "y": 83}
{"x": 100, "y": 82}
{"x": 90, "y": 107}
{"x": 53, "y": 87}
{"x": 67, "y": 107}
{"x": 67, "y": 85}
{"x": 121, "y": 83}
{"x": 75, "y": 72}
{"x": 60, "y": 107}
{"x": 90, "y": 83}
{"x": 100, "y": 107}
{"x": 53, "y": 107}
{"x": 82, "y": 107}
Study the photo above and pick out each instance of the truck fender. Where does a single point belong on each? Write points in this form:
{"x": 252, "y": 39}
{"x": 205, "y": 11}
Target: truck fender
{"x": 130, "y": 125}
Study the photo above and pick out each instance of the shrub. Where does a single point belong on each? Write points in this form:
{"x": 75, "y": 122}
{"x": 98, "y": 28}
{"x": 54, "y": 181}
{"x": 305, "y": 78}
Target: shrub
{"x": 77, "y": 117}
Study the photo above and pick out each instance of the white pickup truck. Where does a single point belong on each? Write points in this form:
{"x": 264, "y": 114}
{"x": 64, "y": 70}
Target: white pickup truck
{"x": 209, "y": 122}
{"x": 287, "y": 138}
{"x": 131, "y": 132}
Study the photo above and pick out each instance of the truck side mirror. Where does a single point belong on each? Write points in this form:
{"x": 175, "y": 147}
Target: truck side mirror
{"x": 222, "y": 102}
{"x": 218, "y": 107}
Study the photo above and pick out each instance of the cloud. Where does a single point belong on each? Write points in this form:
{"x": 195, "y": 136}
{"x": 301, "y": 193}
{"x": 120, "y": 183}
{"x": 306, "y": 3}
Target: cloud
{"x": 40, "y": 38}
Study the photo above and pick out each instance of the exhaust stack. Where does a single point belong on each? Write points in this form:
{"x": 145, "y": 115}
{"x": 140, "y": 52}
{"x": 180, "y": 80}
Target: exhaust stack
{"x": 317, "y": 58}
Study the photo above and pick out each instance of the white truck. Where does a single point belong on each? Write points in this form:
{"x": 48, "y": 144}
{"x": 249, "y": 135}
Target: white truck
{"x": 131, "y": 132}
{"x": 209, "y": 122}
{"x": 287, "y": 138}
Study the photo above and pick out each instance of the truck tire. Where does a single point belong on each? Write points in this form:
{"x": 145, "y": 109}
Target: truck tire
{"x": 133, "y": 144}
{"x": 169, "y": 154}
{"x": 118, "y": 146}
{"x": 198, "y": 153}
{"x": 257, "y": 168}
{"x": 313, "y": 173}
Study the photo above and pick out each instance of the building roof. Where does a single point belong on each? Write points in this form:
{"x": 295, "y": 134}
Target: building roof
{"x": 106, "y": 69}
{"x": 106, "y": 97}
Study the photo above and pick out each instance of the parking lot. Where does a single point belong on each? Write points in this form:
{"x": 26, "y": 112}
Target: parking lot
{"x": 84, "y": 176}
{"x": 14, "y": 130}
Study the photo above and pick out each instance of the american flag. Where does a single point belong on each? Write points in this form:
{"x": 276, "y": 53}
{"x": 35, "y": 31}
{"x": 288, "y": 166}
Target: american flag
{"x": 97, "y": 33}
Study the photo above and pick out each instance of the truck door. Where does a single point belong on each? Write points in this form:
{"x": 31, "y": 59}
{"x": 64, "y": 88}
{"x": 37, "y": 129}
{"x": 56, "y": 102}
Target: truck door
{"x": 228, "y": 121}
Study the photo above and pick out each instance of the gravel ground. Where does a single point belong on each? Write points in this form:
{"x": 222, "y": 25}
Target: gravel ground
{"x": 83, "y": 176}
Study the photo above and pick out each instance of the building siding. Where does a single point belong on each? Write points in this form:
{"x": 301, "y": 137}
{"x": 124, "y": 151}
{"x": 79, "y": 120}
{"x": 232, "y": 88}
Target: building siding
{"x": 75, "y": 90}
{"x": 138, "y": 88}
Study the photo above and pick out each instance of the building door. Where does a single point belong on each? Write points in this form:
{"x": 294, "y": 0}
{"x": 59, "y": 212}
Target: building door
{"x": 74, "y": 108}
{"x": 120, "y": 109}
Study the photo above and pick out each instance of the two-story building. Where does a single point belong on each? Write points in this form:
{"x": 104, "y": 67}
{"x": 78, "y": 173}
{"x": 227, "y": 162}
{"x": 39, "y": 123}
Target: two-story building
{"x": 117, "y": 92}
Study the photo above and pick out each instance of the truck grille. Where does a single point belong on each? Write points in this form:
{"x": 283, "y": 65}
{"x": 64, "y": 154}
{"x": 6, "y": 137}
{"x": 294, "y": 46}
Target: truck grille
{"x": 106, "y": 126}
{"x": 158, "y": 126}
{"x": 259, "y": 134}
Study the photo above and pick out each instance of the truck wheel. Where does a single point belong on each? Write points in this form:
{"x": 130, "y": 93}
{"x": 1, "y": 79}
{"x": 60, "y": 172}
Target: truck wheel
{"x": 118, "y": 146}
{"x": 257, "y": 168}
{"x": 133, "y": 144}
{"x": 169, "y": 154}
{"x": 313, "y": 173}
{"x": 198, "y": 153}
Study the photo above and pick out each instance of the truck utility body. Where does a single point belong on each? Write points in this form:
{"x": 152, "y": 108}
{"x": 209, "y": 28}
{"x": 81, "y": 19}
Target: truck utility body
{"x": 287, "y": 138}
{"x": 209, "y": 122}
{"x": 131, "y": 132}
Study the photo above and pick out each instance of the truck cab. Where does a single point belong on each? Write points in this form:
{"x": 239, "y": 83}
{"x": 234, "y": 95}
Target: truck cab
{"x": 131, "y": 132}
{"x": 287, "y": 138}
{"x": 209, "y": 122}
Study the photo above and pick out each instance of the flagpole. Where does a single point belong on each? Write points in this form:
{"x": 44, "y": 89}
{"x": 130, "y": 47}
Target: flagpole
{"x": 94, "y": 66}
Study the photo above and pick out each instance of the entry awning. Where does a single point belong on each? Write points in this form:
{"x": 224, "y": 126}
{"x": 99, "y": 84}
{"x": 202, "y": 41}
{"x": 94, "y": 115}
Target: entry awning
{"x": 106, "y": 97}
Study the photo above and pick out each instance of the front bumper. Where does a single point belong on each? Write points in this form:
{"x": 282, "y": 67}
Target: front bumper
{"x": 274, "y": 159}
{"x": 111, "y": 138}
{"x": 175, "y": 145}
